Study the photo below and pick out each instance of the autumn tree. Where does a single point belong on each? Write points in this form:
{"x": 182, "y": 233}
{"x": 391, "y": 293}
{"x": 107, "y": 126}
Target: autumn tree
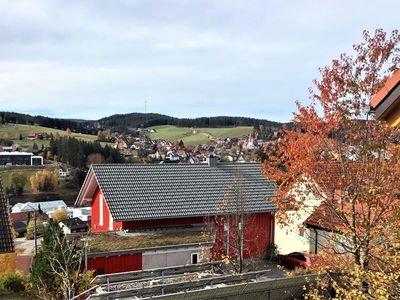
{"x": 68, "y": 132}
{"x": 18, "y": 181}
{"x": 340, "y": 153}
{"x": 102, "y": 135}
{"x": 60, "y": 215}
{"x": 6, "y": 136}
{"x": 95, "y": 158}
{"x": 44, "y": 180}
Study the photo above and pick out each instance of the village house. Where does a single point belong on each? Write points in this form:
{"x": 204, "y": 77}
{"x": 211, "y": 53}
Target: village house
{"x": 386, "y": 103}
{"x": 183, "y": 198}
{"x": 47, "y": 207}
{"x": 20, "y": 159}
{"x": 73, "y": 225}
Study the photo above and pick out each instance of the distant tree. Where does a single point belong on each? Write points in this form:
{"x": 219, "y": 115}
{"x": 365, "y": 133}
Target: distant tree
{"x": 30, "y": 230}
{"x": 7, "y": 136}
{"x": 60, "y": 215}
{"x": 18, "y": 181}
{"x": 181, "y": 144}
{"x": 95, "y": 159}
{"x": 68, "y": 131}
{"x": 44, "y": 180}
{"x": 35, "y": 147}
{"x": 21, "y": 137}
{"x": 234, "y": 150}
{"x": 102, "y": 135}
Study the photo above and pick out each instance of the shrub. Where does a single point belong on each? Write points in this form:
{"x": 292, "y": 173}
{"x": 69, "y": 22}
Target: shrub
{"x": 7, "y": 263}
{"x": 14, "y": 283}
{"x": 31, "y": 229}
{"x": 60, "y": 215}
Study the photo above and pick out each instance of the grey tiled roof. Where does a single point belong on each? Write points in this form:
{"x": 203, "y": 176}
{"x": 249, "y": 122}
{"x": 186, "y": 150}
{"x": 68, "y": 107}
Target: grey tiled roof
{"x": 6, "y": 241}
{"x": 138, "y": 192}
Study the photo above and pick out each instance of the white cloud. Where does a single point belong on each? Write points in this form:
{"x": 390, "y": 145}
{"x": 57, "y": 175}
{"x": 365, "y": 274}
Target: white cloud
{"x": 88, "y": 59}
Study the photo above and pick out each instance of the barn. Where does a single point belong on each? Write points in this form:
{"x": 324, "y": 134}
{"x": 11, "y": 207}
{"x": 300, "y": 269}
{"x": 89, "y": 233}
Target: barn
{"x": 232, "y": 199}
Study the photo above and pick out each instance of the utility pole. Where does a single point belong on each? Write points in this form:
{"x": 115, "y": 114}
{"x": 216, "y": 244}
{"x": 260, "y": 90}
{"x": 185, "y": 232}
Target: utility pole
{"x": 34, "y": 231}
{"x": 39, "y": 210}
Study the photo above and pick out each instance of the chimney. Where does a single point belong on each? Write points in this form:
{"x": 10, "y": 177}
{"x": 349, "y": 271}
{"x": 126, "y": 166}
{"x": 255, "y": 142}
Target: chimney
{"x": 212, "y": 161}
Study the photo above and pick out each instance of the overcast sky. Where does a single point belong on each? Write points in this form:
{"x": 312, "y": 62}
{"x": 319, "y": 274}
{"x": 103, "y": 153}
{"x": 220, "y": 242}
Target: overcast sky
{"x": 90, "y": 59}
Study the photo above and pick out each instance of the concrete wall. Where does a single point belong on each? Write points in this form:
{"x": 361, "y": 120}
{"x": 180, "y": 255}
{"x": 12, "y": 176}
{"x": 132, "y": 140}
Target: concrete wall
{"x": 170, "y": 258}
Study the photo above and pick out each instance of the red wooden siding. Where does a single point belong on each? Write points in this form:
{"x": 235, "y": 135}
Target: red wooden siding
{"x": 162, "y": 222}
{"x": 257, "y": 235}
{"x": 217, "y": 250}
{"x": 116, "y": 263}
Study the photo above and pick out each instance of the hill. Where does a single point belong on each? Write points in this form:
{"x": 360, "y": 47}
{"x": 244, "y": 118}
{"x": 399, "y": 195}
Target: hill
{"x": 197, "y": 136}
{"x": 13, "y": 132}
{"x": 63, "y": 124}
{"x": 135, "y": 120}
{"x": 126, "y": 123}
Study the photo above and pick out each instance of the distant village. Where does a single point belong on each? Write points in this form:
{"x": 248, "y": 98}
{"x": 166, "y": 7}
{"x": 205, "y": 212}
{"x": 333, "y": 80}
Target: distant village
{"x": 142, "y": 148}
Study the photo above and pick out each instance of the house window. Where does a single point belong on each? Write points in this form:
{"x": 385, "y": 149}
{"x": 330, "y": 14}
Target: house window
{"x": 194, "y": 258}
{"x": 302, "y": 229}
{"x": 101, "y": 211}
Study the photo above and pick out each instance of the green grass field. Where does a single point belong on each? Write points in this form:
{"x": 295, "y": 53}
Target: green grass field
{"x": 14, "y": 130}
{"x": 200, "y": 136}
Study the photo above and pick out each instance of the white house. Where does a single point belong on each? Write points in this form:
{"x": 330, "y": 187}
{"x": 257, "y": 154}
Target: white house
{"x": 295, "y": 236}
{"x": 83, "y": 213}
{"x": 47, "y": 207}
{"x": 63, "y": 173}
{"x": 73, "y": 225}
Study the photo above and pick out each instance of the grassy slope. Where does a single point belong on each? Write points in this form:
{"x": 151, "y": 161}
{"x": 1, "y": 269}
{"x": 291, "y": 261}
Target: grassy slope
{"x": 16, "y": 129}
{"x": 169, "y": 132}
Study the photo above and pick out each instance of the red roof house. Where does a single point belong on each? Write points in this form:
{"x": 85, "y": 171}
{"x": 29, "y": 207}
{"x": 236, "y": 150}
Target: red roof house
{"x": 135, "y": 198}
{"x": 386, "y": 103}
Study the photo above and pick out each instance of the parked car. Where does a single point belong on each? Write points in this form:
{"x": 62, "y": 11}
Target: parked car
{"x": 295, "y": 260}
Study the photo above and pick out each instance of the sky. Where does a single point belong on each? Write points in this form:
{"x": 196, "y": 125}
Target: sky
{"x": 86, "y": 59}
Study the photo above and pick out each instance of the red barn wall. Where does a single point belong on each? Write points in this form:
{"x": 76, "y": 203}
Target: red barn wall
{"x": 115, "y": 263}
{"x": 217, "y": 250}
{"x": 95, "y": 221}
{"x": 257, "y": 234}
{"x": 257, "y": 231}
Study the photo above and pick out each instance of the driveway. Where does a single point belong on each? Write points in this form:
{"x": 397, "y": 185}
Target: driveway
{"x": 26, "y": 247}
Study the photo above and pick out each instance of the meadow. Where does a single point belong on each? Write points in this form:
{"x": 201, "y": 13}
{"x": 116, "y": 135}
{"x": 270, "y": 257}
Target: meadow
{"x": 14, "y": 130}
{"x": 194, "y": 136}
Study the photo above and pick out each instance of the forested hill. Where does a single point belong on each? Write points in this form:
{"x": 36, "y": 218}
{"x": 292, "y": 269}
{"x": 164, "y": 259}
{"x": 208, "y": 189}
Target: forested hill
{"x": 135, "y": 120}
{"x": 63, "y": 124}
{"x": 127, "y": 122}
